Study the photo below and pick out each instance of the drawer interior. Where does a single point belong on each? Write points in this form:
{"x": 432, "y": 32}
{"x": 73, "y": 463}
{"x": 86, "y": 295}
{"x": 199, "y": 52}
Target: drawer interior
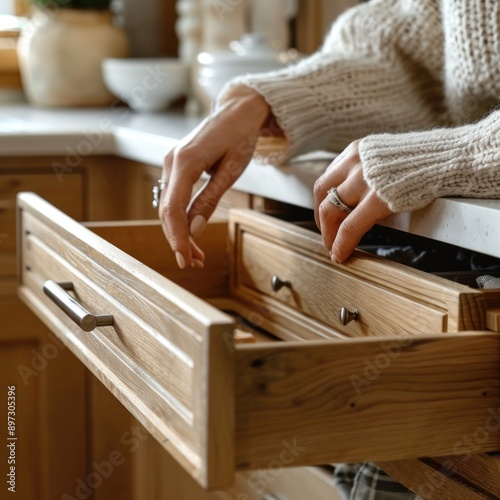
{"x": 144, "y": 240}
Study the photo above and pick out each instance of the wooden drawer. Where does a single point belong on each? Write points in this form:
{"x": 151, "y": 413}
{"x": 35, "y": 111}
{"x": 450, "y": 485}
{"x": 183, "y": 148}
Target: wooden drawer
{"x": 221, "y": 407}
{"x": 390, "y": 298}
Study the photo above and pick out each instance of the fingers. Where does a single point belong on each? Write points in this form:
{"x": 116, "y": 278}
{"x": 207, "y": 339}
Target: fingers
{"x": 335, "y": 174}
{"x": 341, "y": 231}
{"x": 330, "y": 219}
{"x": 221, "y": 136}
{"x": 349, "y": 233}
{"x": 207, "y": 199}
{"x": 183, "y": 217}
{"x": 175, "y": 200}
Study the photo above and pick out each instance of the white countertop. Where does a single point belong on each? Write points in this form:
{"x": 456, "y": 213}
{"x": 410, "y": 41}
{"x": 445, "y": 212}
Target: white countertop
{"x": 30, "y": 131}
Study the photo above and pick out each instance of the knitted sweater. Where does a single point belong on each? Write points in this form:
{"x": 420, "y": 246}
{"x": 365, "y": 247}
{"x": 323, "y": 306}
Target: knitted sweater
{"x": 417, "y": 80}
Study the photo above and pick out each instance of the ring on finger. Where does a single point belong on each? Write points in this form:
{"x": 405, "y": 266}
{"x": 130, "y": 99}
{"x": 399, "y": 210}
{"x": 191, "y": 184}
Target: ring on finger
{"x": 157, "y": 189}
{"x": 333, "y": 198}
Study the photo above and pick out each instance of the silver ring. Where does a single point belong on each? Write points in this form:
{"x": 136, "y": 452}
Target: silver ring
{"x": 157, "y": 189}
{"x": 333, "y": 198}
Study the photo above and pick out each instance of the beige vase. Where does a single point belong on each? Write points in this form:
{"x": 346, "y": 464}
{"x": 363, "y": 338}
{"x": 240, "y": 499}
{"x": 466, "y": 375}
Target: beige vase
{"x": 60, "y": 54}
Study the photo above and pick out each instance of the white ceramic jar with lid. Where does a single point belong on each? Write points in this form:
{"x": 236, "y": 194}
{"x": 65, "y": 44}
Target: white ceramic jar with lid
{"x": 252, "y": 54}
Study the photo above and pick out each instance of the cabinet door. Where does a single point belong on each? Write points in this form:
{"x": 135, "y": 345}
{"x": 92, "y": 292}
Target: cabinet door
{"x": 49, "y": 381}
{"x": 49, "y": 385}
{"x": 65, "y": 193}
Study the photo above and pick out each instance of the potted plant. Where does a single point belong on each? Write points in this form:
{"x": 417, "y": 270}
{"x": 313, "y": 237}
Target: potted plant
{"x": 61, "y": 50}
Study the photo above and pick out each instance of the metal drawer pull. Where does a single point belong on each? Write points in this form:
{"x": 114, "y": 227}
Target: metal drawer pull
{"x": 346, "y": 316}
{"x": 277, "y": 284}
{"x": 86, "y": 321}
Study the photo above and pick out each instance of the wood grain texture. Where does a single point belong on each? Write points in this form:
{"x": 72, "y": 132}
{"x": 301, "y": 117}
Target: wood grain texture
{"x": 162, "y": 358}
{"x": 493, "y": 319}
{"x": 212, "y": 404}
{"x": 129, "y": 334}
{"x": 275, "y": 318}
{"x": 67, "y": 196}
{"x": 480, "y": 471}
{"x": 319, "y": 291}
{"x": 428, "y": 479}
{"x": 115, "y": 437}
{"x": 145, "y": 241}
{"x": 421, "y": 396}
{"x": 49, "y": 383}
{"x": 464, "y": 307}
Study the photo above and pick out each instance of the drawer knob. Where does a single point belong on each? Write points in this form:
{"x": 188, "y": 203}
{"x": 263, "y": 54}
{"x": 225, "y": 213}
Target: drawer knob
{"x": 346, "y": 316}
{"x": 86, "y": 321}
{"x": 277, "y": 284}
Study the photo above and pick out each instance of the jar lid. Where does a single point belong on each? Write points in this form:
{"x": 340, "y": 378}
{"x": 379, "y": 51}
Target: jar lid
{"x": 252, "y": 48}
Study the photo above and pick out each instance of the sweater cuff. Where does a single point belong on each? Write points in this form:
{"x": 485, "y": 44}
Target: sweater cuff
{"x": 295, "y": 109}
{"x": 409, "y": 170}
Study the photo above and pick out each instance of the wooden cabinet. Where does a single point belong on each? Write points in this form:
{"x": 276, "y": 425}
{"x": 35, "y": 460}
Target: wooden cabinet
{"x": 222, "y": 408}
{"x": 68, "y": 197}
{"x": 49, "y": 392}
{"x": 66, "y": 421}
{"x": 49, "y": 382}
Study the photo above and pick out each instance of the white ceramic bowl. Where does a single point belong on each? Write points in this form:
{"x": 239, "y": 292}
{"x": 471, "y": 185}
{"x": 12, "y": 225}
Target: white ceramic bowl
{"x": 252, "y": 54}
{"x": 146, "y": 85}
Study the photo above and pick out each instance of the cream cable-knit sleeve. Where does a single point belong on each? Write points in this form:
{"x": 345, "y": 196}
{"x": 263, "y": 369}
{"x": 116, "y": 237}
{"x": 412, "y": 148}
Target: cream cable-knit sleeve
{"x": 378, "y": 71}
{"x": 409, "y": 170}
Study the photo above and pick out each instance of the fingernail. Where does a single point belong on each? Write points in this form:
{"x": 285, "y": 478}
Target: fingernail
{"x": 180, "y": 260}
{"x": 333, "y": 258}
{"x": 197, "y": 225}
{"x": 197, "y": 263}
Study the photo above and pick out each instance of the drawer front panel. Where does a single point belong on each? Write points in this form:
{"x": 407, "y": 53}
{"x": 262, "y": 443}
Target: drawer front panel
{"x": 320, "y": 291}
{"x": 366, "y": 399}
{"x": 141, "y": 343}
{"x": 157, "y": 357}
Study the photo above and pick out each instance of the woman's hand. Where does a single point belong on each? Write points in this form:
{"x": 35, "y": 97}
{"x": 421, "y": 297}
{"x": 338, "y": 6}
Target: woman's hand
{"x": 222, "y": 146}
{"x": 342, "y": 231}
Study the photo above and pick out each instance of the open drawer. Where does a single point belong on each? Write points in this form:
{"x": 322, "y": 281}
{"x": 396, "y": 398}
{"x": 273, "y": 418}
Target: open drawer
{"x": 306, "y": 392}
